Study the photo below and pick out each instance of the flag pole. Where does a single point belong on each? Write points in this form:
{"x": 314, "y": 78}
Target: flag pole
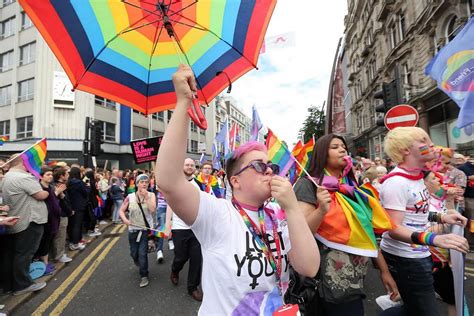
{"x": 11, "y": 159}
{"x": 309, "y": 176}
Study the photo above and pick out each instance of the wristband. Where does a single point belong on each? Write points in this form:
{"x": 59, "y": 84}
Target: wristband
{"x": 424, "y": 238}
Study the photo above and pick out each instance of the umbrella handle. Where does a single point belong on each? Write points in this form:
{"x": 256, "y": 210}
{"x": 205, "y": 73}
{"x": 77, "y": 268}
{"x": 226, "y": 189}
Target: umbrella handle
{"x": 198, "y": 118}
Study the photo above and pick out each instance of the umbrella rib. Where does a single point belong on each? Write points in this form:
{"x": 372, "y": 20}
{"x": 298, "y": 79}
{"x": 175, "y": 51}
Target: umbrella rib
{"x": 105, "y": 46}
{"x": 182, "y": 9}
{"x": 155, "y": 43}
{"x": 189, "y": 25}
{"x": 220, "y": 38}
{"x": 140, "y": 26}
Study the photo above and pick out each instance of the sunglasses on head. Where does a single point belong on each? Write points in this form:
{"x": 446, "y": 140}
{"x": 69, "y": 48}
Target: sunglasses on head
{"x": 261, "y": 167}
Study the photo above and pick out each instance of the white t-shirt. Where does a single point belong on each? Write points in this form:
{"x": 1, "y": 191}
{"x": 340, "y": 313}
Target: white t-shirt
{"x": 177, "y": 223}
{"x": 412, "y": 197}
{"x": 237, "y": 278}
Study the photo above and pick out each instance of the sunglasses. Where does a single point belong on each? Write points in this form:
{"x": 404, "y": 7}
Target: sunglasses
{"x": 261, "y": 167}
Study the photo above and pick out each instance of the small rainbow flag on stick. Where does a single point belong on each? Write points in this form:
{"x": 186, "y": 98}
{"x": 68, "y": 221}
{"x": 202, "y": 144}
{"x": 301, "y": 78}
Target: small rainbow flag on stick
{"x": 34, "y": 157}
{"x": 3, "y": 139}
{"x": 279, "y": 154}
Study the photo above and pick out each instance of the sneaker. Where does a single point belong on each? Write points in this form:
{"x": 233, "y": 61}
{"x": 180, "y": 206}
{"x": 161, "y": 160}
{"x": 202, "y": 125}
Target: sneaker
{"x": 144, "y": 282}
{"x": 32, "y": 288}
{"x": 159, "y": 256}
{"x": 85, "y": 241}
{"x": 103, "y": 222}
{"x": 384, "y": 302}
{"x": 94, "y": 234}
{"x": 65, "y": 259}
{"x": 171, "y": 244}
{"x": 78, "y": 246}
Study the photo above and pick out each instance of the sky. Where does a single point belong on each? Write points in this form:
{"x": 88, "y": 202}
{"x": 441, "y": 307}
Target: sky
{"x": 289, "y": 80}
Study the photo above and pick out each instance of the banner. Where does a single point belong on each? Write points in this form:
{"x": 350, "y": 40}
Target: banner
{"x": 145, "y": 149}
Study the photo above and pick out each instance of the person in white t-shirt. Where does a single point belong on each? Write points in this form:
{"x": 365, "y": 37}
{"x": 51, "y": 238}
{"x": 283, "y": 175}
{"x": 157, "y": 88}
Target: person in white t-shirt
{"x": 406, "y": 198}
{"x": 186, "y": 245}
{"x": 245, "y": 269}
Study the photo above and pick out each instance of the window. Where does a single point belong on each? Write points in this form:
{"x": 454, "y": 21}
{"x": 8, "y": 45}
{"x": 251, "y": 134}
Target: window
{"x": 193, "y": 127}
{"x": 194, "y": 146}
{"x": 5, "y": 128}
{"x": 106, "y": 103}
{"x": 401, "y": 26}
{"x": 170, "y": 113}
{"x": 25, "y": 21}
{"x": 406, "y": 78}
{"x": 158, "y": 116}
{"x": 7, "y": 27}
{"x": 5, "y": 95}
{"x": 140, "y": 132}
{"x": 108, "y": 132}
{"x": 7, "y": 2}
{"x": 24, "y": 127}
{"x": 451, "y": 29}
{"x": 27, "y": 53}
{"x": 26, "y": 90}
{"x": 6, "y": 61}
{"x": 202, "y": 132}
{"x": 393, "y": 36}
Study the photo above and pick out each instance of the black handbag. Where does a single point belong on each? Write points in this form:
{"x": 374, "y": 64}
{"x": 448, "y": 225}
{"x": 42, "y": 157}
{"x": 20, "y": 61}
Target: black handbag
{"x": 304, "y": 292}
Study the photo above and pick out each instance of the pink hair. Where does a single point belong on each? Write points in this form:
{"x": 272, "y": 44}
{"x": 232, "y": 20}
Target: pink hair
{"x": 248, "y": 147}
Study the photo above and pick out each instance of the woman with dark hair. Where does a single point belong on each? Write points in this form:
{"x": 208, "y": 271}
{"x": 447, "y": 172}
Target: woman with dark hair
{"x": 78, "y": 193}
{"x": 337, "y": 212}
{"x": 90, "y": 219}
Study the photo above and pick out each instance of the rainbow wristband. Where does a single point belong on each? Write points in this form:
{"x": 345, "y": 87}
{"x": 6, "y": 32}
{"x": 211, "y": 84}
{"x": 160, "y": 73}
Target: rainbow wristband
{"x": 424, "y": 238}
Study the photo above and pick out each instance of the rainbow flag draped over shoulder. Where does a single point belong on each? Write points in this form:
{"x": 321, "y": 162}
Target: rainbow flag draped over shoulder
{"x": 211, "y": 183}
{"x": 278, "y": 153}
{"x": 355, "y": 215}
{"x": 33, "y": 157}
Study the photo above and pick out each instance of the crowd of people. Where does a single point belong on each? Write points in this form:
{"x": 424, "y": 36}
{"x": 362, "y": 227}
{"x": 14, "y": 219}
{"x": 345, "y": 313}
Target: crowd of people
{"x": 256, "y": 244}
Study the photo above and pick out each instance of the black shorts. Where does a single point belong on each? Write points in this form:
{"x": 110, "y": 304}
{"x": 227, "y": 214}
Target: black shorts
{"x": 444, "y": 282}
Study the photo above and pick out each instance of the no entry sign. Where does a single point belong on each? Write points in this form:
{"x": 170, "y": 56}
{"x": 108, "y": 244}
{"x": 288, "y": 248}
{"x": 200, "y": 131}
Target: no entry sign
{"x": 401, "y": 116}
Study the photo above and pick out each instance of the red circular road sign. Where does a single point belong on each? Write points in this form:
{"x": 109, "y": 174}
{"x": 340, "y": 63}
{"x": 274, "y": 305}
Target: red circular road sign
{"x": 401, "y": 116}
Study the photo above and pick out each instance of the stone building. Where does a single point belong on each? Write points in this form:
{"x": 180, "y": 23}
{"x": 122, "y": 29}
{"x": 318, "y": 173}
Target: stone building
{"x": 387, "y": 41}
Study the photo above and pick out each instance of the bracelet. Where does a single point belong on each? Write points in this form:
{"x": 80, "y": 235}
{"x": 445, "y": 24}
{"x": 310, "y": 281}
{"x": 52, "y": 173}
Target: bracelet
{"x": 435, "y": 217}
{"x": 424, "y": 238}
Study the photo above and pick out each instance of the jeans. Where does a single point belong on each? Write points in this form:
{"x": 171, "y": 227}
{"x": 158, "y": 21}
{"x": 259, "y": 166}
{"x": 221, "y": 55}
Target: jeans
{"x": 116, "y": 214}
{"x": 414, "y": 279}
{"x": 60, "y": 239}
{"x": 354, "y": 308}
{"x": 21, "y": 248}
{"x": 187, "y": 247}
{"x": 138, "y": 241}
{"x": 160, "y": 225}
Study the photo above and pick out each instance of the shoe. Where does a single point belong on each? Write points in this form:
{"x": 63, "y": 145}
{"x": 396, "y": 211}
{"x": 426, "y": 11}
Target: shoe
{"x": 78, "y": 246}
{"x": 50, "y": 268}
{"x": 85, "y": 241}
{"x": 197, "y": 295}
{"x": 384, "y": 302}
{"x": 144, "y": 282}
{"x": 94, "y": 234}
{"x": 65, "y": 259}
{"x": 32, "y": 288}
{"x": 159, "y": 256}
{"x": 171, "y": 244}
{"x": 174, "y": 277}
{"x": 103, "y": 222}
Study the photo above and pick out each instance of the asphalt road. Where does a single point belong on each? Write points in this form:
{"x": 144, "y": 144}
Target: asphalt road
{"x": 103, "y": 280}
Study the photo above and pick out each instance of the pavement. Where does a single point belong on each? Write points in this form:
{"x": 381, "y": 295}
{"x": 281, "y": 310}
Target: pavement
{"x": 8, "y": 303}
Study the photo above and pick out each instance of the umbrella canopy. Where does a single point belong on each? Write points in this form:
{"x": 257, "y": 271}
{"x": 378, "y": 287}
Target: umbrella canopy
{"x": 122, "y": 49}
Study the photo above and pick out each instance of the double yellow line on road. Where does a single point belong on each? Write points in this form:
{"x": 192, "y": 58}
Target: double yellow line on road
{"x": 469, "y": 271}
{"x": 80, "y": 283}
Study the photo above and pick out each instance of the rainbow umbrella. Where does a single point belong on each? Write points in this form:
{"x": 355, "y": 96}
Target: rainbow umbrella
{"x": 127, "y": 50}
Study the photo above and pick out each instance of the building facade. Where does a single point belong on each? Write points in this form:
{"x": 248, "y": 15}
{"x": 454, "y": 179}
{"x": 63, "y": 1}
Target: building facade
{"x": 36, "y": 101}
{"x": 388, "y": 40}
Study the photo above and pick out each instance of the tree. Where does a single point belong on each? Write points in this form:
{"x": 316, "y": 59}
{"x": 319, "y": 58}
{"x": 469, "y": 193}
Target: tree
{"x": 314, "y": 123}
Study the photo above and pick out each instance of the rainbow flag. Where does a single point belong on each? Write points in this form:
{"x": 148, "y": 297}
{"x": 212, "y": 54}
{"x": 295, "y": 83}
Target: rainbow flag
{"x": 354, "y": 217}
{"x": 131, "y": 187}
{"x": 34, "y": 157}
{"x": 3, "y": 139}
{"x": 304, "y": 156}
{"x": 279, "y": 154}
